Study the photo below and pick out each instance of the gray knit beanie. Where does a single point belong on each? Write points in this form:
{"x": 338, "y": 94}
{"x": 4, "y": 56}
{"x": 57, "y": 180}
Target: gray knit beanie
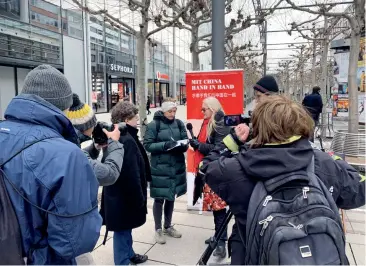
{"x": 50, "y": 84}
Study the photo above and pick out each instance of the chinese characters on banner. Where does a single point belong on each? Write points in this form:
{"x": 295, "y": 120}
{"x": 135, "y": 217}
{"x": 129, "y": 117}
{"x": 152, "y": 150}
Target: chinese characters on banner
{"x": 226, "y": 85}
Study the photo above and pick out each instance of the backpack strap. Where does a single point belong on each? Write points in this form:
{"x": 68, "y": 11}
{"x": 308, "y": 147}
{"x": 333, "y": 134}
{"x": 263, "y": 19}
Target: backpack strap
{"x": 157, "y": 128}
{"x": 22, "y": 149}
{"x": 27, "y": 200}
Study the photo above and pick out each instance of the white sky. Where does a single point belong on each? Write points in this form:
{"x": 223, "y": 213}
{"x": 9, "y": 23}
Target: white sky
{"x": 280, "y": 20}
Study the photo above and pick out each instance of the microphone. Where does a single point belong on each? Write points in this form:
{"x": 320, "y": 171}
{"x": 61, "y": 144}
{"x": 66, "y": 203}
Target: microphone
{"x": 190, "y": 127}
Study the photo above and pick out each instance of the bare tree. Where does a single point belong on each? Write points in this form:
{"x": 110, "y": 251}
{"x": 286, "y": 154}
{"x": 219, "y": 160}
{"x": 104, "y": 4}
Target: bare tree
{"x": 145, "y": 9}
{"x": 357, "y": 25}
{"x": 194, "y": 18}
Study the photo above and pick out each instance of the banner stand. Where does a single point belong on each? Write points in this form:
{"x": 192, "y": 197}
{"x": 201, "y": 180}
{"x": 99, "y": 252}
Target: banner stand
{"x": 225, "y": 85}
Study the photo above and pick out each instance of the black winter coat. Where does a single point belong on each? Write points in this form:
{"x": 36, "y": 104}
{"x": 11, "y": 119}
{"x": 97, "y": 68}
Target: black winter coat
{"x": 314, "y": 104}
{"x": 233, "y": 176}
{"x": 124, "y": 204}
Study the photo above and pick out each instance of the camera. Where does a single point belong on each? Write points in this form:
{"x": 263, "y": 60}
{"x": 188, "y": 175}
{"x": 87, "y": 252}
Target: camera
{"x": 234, "y": 120}
{"x": 101, "y": 138}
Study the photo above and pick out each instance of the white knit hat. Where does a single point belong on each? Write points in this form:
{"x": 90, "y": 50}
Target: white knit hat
{"x": 166, "y": 106}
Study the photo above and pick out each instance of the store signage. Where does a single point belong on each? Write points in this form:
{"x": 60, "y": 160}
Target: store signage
{"x": 124, "y": 69}
{"x": 160, "y": 76}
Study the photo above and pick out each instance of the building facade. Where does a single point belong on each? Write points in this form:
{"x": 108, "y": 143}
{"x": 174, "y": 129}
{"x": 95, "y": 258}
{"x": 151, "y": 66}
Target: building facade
{"x": 102, "y": 69}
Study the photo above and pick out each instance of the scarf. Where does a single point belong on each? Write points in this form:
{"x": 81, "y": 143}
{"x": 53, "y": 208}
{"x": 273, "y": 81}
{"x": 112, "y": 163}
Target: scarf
{"x": 202, "y": 137}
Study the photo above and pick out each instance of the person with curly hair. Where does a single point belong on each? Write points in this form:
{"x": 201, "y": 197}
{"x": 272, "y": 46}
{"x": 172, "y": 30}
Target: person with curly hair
{"x": 124, "y": 204}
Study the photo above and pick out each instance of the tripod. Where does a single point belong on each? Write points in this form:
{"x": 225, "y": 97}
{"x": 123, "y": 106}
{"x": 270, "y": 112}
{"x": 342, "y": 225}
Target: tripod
{"x": 214, "y": 240}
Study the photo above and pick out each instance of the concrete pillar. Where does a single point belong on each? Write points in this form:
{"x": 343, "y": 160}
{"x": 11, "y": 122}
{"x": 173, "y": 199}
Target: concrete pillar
{"x": 24, "y": 11}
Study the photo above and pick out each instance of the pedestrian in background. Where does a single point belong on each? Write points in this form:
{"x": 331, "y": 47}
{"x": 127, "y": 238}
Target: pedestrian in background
{"x": 124, "y": 204}
{"x": 53, "y": 174}
{"x": 212, "y": 132}
{"x": 314, "y": 105}
{"x": 168, "y": 166}
{"x": 148, "y": 102}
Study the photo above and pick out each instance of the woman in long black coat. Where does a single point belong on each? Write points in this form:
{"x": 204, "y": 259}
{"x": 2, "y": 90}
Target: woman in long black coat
{"x": 124, "y": 204}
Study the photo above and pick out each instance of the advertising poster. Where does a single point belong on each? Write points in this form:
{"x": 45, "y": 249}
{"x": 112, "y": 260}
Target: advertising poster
{"x": 361, "y": 79}
{"x": 335, "y": 100}
{"x": 225, "y": 85}
{"x": 342, "y": 105}
{"x": 340, "y": 68}
{"x": 361, "y": 108}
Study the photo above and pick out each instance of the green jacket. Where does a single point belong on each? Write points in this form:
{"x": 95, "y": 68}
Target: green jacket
{"x": 168, "y": 168}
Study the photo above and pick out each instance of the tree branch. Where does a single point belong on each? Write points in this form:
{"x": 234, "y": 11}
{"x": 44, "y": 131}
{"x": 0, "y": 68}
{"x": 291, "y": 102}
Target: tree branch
{"x": 172, "y": 21}
{"x": 135, "y": 3}
{"x": 106, "y": 14}
{"x": 324, "y": 13}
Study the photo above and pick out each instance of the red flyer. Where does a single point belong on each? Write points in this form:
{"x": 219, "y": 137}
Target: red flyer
{"x": 226, "y": 85}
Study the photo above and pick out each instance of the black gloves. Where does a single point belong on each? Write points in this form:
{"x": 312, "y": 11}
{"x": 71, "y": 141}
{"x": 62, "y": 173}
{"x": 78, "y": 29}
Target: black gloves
{"x": 180, "y": 149}
{"x": 194, "y": 143}
{"x": 169, "y": 145}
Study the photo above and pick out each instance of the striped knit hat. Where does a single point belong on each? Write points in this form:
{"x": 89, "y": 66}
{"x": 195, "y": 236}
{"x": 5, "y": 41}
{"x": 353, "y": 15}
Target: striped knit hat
{"x": 81, "y": 115}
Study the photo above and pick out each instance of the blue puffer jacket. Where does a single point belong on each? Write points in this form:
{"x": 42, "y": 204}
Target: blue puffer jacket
{"x": 53, "y": 174}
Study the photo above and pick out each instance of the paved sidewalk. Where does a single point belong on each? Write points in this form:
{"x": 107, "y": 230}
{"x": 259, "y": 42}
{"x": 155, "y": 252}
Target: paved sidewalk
{"x": 196, "y": 228}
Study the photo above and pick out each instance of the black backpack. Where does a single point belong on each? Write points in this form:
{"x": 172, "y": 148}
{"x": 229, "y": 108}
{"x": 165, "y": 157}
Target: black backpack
{"x": 293, "y": 220}
{"x": 11, "y": 251}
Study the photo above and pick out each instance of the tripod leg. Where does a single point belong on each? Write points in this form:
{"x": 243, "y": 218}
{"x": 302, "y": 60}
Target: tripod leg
{"x": 213, "y": 244}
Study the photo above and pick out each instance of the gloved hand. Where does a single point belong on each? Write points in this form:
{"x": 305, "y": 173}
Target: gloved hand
{"x": 169, "y": 145}
{"x": 240, "y": 134}
{"x": 180, "y": 149}
{"x": 194, "y": 143}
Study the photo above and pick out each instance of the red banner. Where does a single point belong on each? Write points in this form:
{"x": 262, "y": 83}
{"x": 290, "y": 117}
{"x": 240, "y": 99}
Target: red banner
{"x": 225, "y": 85}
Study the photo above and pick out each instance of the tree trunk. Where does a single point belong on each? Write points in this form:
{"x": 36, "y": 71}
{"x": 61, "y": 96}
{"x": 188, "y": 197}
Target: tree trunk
{"x": 195, "y": 61}
{"x": 141, "y": 79}
{"x": 313, "y": 63}
{"x": 194, "y": 49}
{"x": 352, "y": 84}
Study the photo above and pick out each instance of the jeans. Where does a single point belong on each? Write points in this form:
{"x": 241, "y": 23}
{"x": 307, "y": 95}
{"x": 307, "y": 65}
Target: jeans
{"x": 158, "y": 213}
{"x": 122, "y": 247}
{"x": 219, "y": 219}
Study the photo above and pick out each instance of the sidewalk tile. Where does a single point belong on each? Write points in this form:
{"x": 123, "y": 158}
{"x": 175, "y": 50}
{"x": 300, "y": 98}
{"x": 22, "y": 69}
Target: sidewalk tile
{"x": 145, "y": 233}
{"x": 100, "y": 241}
{"x": 359, "y": 253}
{"x": 358, "y": 228}
{"x": 104, "y": 254}
{"x": 355, "y": 216}
{"x": 183, "y": 251}
{"x": 349, "y": 228}
{"x": 152, "y": 262}
{"x": 350, "y": 254}
{"x": 355, "y": 239}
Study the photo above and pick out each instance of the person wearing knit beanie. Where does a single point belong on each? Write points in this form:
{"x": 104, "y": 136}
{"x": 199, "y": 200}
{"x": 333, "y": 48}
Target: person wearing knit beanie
{"x": 50, "y": 84}
{"x": 81, "y": 116}
{"x": 265, "y": 86}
